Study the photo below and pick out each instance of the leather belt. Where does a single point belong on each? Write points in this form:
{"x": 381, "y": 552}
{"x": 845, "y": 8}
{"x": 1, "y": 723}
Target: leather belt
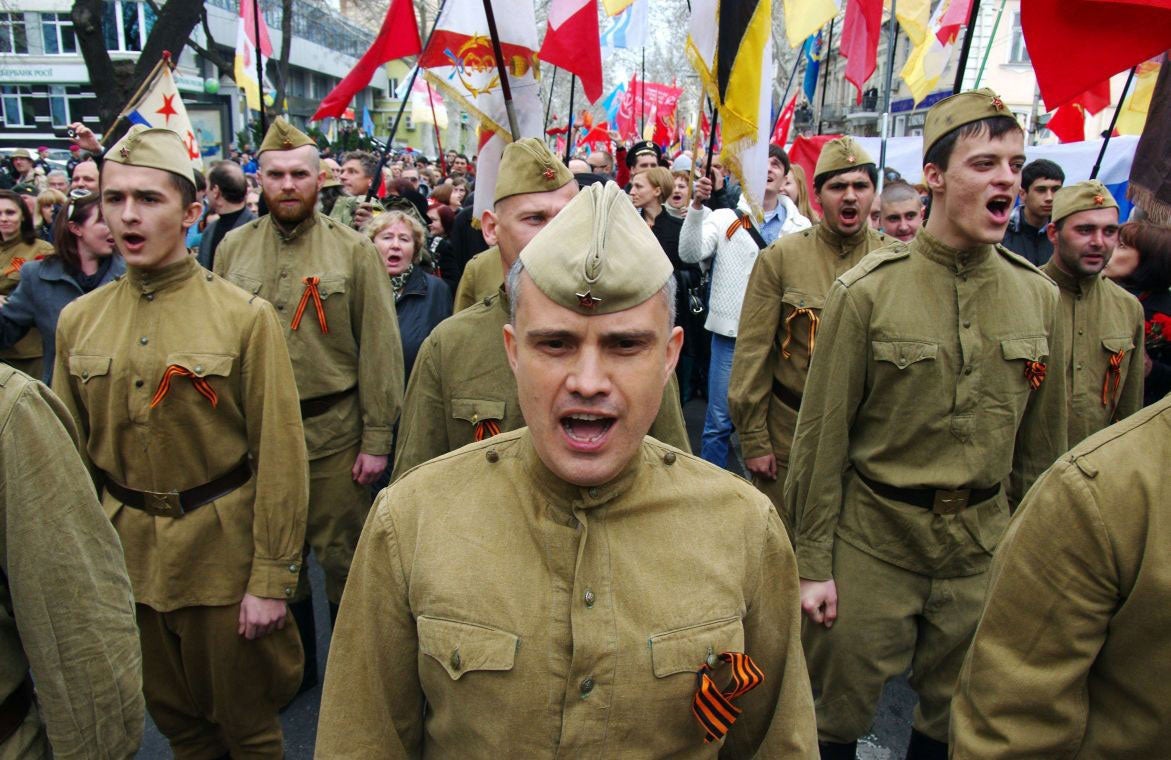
{"x": 940, "y": 502}
{"x": 178, "y": 503}
{"x": 14, "y": 709}
{"x": 787, "y": 397}
{"x": 315, "y": 407}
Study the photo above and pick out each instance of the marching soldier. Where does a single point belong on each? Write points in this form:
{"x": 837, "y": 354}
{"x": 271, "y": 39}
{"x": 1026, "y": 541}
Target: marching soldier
{"x": 935, "y": 394}
{"x": 782, "y": 311}
{"x": 336, "y": 307}
{"x": 185, "y": 401}
{"x": 1104, "y": 324}
{"x": 461, "y": 389}
{"x": 530, "y": 595}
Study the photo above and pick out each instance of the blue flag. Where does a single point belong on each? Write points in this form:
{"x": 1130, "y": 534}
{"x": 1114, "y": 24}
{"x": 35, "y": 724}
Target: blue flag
{"x": 367, "y": 122}
{"x": 611, "y": 103}
{"x": 813, "y": 58}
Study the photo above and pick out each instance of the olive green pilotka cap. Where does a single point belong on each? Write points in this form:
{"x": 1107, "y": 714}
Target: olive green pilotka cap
{"x": 841, "y": 153}
{"x": 1082, "y": 196}
{"x": 597, "y": 256}
{"x": 528, "y": 166}
{"x": 957, "y": 110}
{"x": 284, "y": 136}
{"x": 330, "y": 181}
{"x": 155, "y": 148}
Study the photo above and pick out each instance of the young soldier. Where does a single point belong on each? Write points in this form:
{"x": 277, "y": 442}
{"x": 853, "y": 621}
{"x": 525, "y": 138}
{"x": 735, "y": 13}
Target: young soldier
{"x": 187, "y": 408}
{"x": 533, "y": 591}
{"x": 336, "y": 307}
{"x": 461, "y": 389}
{"x": 782, "y": 310}
{"x": 901, "y": 211}
{"x": 1027, "y": 228}
{"x": 1103, "y": 323}
{"x": 934, "y": 395}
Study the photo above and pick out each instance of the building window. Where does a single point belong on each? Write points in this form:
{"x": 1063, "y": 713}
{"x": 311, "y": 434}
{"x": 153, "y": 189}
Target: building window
{"x": 127, "y": 24}
{"x": 18, "y": 105}
{"x": 1018, "y": 54}
{"x": 57, "y": 29}
{"x": 13, "y": 37}
{"x": 59, "y": 110}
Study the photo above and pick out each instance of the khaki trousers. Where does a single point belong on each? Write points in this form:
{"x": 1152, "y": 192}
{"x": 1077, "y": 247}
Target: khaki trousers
{"x": 889, "y": 620}
{"x": 211, "y": 691}
{"x": 337, "y": 511}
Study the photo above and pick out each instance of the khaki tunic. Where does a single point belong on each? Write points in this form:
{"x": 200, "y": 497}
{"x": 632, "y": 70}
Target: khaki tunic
{"x": 925, "y": 388}
{"x": 1100, "y": 321}
{"x": 482, "y": 277}
{"x": 1071, "y": 658}
{"x": 792, "y": 274}
{"x": 113, "y": 347}
{"x": 541, "y": 619}
{"x": 67, "y": 613}
{"x": 358, "y": 304}
{"x": 462, "y": 378}
{"x": 13, "y": 254}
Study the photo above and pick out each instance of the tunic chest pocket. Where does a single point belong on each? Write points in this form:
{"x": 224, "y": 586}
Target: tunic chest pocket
{"x": 331, "y": 285}
{"x": 244, "y": 282}
{"x": 86, "y": 368}
{"x": 1113, "y": 346}
{"x": 685, "y": 650}
{"x": 462, "y": 647}
{"x": 1032, "y": 349}
{"x": 903, "y": 353}
{"x": 193, "y": 370}
{"x": 484, "y": 415}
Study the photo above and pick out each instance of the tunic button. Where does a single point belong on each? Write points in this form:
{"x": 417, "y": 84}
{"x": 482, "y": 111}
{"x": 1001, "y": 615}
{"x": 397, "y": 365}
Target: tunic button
{"x": 967, "y": 323}
{"x": 85, "y": 374}
{"x": 143, "y": 340}
{"x": 492, "y": 456}
{"x": 150, "y": 296}
{"x": 669, "y": 457}
{"x": 292, "y": 567}
{"x": 902, "y": 363}
{"x": 280, "y": 307}
{"x": 967, "y": 370}
{"x": 712, "y": 660}
{"x": 284, "y": 275}
{"x": 589, "y": 598}
{"x": 198, "y": 368}
{"x": 587, "y": 685}
{"x": 594, "y": 493}
{"x": 455, "y": 661}
{"x": 137, "y": 383}
{"x": 288, "y": 590}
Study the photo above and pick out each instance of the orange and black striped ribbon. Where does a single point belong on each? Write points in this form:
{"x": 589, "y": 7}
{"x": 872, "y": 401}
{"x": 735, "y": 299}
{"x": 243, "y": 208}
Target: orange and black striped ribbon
{"x": 1113, "y": 378}
{"x": 14, "y": 266}
{"x": 741, "y": 223}
{"x": 1035, "y": 373}
{"x": 173, "y": 371}
{"x": 311, "y": 291}
{"x": 486, "y": 429}
{"x": 712, "y": 707}
{"x": 814, "y": 321}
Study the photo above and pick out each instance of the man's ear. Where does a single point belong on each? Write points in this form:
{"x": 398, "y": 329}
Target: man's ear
{"x": 1051, "y": 232}
{"x": 933, "y": 177}
{"x": 488, "y": 226}
{"x": 510, "y": 340}
{"x": 674, "y": 349}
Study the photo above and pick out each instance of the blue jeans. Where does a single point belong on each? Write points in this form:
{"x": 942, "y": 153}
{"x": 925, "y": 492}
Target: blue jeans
{"x": 717, "y": 423}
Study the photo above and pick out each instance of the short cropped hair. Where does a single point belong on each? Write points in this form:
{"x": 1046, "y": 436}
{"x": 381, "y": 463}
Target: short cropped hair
{"x": 1041, "y": 168}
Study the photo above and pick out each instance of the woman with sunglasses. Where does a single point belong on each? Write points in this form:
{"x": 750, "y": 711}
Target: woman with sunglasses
{"x": 85, "y": 260}
{"x": 19, "y": 244}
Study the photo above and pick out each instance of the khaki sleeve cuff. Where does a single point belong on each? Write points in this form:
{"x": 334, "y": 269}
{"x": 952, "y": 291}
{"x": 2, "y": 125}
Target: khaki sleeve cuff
{"x": 274, "y": 578}
{"x": 815, "y": 561}
{"x": 755, "y": 443}
{"x": 376, "y": 441}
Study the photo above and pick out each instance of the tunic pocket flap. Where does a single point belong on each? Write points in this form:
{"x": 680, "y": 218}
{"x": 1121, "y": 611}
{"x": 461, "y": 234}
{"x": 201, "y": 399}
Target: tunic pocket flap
{"x": 461, "y": 647}
{"x": 1124, "y": 344}
{"x": 799, "y": 300}
{"x": 685, "y": 650}
{"x": 1033, "y": 349}
{"x": 474, "y": 410}
{"x": 88, "y": 367}
{"x": 202, "y": 365}
{"x": 331, "y": 284}
{"x": 903, "y": 353}
{"x": 244, "y": 282}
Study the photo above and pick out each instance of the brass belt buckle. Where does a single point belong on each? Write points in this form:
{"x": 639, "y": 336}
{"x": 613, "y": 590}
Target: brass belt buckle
{"x": 162, "y": 504}
{"x": 951, "y": 502}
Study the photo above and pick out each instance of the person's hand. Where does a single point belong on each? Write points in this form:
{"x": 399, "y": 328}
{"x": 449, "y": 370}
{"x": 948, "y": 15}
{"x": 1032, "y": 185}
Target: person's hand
{"x": 701, "y": 192}
{"x": 367, "y": 468}
{"x": 85, "y": 138}
{"x": 819, "y": 601}
{"x": 260, "y": 617}
{"x": 763, "y": 467}
{"x": 363, "y": 214}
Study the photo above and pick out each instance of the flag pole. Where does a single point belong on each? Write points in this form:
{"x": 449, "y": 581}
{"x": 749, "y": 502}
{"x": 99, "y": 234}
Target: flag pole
{"x": 892, "y": 45}
{"x": 569, "y": 128}
{"x": 711, "y": 142}
{"x": 1113, "y": 122}
{"x": 382, "y": 159}
{"x": 991, "y": 39}
{"x": 785, "y": 97}
{"x": 966, "y": 50}
{"x": 825, "y": 80}
{"x": 642, "y": 99}
{"x": 505, "y": 86}
{"x": 435, "y": 123}
{"x": 549, "y": 105}
{"x": 259, "y": 69}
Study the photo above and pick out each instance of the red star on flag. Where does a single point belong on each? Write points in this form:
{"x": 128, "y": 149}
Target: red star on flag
{"x": 168, "y": 110}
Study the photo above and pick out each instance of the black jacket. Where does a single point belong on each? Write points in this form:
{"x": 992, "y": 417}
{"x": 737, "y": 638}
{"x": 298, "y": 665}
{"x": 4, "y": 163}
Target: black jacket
{"x": 424, "y": 303}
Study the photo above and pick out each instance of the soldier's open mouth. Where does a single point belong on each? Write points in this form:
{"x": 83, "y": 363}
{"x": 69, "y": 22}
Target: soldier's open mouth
{"x": 586, "y": 428}
{"x": 1000, "y": 208}
{"x": 848, "y": 214}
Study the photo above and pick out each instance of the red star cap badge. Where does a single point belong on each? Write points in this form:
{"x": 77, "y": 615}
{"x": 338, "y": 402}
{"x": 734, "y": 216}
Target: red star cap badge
{"x": 1099, "y": 200}
{"x": 586, "y": 300}
{"x": 549, "y": 174}
{"x": 851, "y": 158}
{"x": 997, "y": 103}
{"x": 125, "y": 152}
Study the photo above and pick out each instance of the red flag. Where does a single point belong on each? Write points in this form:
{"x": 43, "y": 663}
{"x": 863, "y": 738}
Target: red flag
{"x": 956, "y": 16}
{"x": 597, "y": 138}
{"x": 1117, "y": 34}
{"x": 572, "y": 42}
{"x": 781, "y": 133}
{"x": 860, "y": 33}
{"x": 1069, "y": 121}
{"x": 398, "y": 37}
{"x": 804, "y": 152}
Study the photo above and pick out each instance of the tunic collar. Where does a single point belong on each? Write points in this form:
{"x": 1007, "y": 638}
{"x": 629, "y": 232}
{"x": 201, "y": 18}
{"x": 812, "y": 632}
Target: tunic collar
{"x": 1068, "y": 282}
{"x": 564, "y": 494}
{"x": 843, "y": 244}
{"x": 956, "y": 259}
{"x": 288, "y": 235}
{"x": 150, "y": 281}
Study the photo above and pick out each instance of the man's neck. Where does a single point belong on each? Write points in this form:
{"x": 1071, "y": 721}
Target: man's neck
{"x": 1032, "y": 221}
{"x": 946, "y": 234}
{"x": 771, "y": 200}
{"x": 229, "y": 208}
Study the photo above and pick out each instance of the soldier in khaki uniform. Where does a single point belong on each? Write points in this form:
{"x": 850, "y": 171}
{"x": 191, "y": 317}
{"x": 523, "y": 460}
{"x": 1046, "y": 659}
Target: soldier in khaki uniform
{"x": 187, "y": 408}
{"x": 19, "y": 244}
{"x": 66, "y": 609}
{"x": 482, "y": 277}
{"x": 936, "y": 393}
{"x": 1103, "y": 323}
{"x": 782, "y": 311}
{"x": 533, "y": 590}
{"x": 1071, "y": 656}
{"x": 336, "y": 307}
{"x": 461, "y": 389}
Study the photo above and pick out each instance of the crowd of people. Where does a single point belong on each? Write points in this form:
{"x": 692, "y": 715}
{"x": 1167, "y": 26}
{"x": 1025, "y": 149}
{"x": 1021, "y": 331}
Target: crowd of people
{"x": 475, "y": 426}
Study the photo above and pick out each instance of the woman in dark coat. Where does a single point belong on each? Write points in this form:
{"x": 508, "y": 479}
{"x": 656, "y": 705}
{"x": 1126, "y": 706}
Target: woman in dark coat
{"x": 1142, "y": 264}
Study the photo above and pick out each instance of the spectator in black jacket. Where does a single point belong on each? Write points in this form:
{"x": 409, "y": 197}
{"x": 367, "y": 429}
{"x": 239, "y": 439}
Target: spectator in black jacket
{"x": 1040, "y": 180}
{"x": 1142, "y": 264}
